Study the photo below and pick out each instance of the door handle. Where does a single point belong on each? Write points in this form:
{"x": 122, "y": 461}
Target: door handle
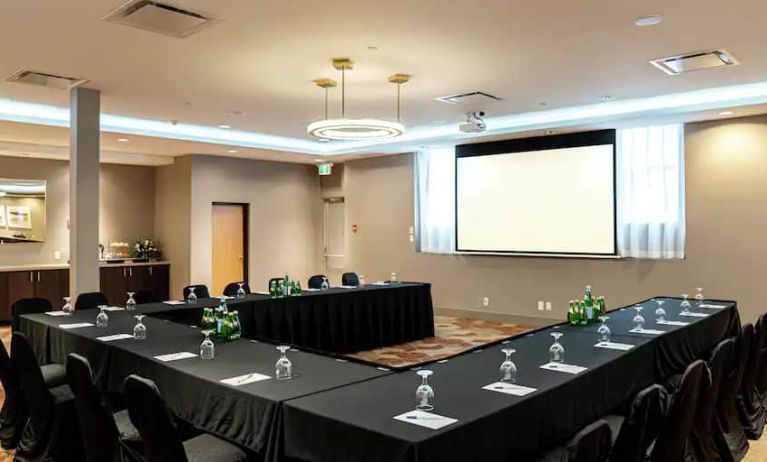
{"x": 30, "y": 276}
{"x": 125, "y": 273}
{"x": 151, "y": 273}
{"x": 130, "y": 272}
{"x": 38, "y": 276}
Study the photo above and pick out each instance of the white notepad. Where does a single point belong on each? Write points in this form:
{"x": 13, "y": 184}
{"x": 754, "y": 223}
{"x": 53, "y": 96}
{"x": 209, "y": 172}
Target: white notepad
{"x": 712, "y": 306}
{"x": 347, "y": 287}
{"x": 114, "y": 308}
{"x": 309, "y": 289}
{"x": 111, "y": 338}
{"x": 425, "y": 419}
{"x": 566, "y": 368}
{"x": 647, "y": 331}
{"x": 614, "y": 346}
{"x": 175, "y": 356}
{"x": 76, "y": 325}
{"x": 672, "y": 323}
{"x": 509, "y": 389}
{"x": 245, "y": 379}
{"x": 174, "y": 302}
{"x": 58, "y": 313}
{"x": 694, "y": 315}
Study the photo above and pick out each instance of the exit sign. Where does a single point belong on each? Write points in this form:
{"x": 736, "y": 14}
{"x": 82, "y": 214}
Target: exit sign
{"x": 325, "y": 169}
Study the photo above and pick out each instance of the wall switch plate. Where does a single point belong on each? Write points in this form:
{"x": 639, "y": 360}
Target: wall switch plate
{"x": 540, "y": 305}
{"x": 548, "y": 306}
{"x": 57, "y": 255}
{"x": 411, "y": 238}
{"x": 412, "y": 230}
{"x": 485, "y": 301}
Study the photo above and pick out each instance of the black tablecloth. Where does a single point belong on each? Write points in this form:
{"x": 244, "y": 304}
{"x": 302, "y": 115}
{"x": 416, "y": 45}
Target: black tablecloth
{"x": 336, "y": 320}
{"x": 356, "y": 422}
{"x": 248, "y": 415}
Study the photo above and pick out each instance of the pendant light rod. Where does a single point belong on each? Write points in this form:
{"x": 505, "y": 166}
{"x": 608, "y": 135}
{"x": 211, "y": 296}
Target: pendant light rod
{"x": 399, "y": 79}
{"x": 343, "y": 64}
{"x": 325, "y": 84}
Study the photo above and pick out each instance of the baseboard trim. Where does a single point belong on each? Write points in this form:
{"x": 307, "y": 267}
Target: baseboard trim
{"x": 494, "y": 316}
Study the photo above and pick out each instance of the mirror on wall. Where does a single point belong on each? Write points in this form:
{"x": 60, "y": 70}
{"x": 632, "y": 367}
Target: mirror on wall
{"x": 22, "y": 210}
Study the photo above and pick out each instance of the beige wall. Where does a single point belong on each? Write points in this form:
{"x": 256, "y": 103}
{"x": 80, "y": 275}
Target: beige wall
{"x": 126, "y": 205}
{"x": 173, "y": 221}
{"x": 726, "y": 225}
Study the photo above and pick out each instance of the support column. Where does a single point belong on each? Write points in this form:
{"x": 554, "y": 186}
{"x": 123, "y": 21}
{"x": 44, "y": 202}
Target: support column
{"x": 84, "y": 153}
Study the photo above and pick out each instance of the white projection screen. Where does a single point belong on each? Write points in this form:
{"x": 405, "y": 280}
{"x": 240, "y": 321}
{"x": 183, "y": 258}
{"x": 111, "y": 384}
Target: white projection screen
{"x": 550, "y": 196}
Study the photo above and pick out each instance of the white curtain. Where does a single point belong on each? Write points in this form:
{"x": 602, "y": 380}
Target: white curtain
{"x": 435, "y": 200}
{"x": 650, "y": 192}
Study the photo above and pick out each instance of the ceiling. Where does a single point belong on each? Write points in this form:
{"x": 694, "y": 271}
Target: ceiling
{"x": 260, "y": 58}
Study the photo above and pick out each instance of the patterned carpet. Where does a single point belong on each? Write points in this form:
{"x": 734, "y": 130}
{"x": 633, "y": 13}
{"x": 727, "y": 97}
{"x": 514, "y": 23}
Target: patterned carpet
{"x": 454, "y": 336}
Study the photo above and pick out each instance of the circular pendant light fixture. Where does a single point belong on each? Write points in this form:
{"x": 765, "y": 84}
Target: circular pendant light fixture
{"x": 355, "y": 129}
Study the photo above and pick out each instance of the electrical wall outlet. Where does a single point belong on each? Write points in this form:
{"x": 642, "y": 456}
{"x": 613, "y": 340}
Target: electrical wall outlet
{"x": 548, "y": 306}
{"x": 540, "y": 305}
{"x": 485, "y": 301}
{"x": 57, "y": 255}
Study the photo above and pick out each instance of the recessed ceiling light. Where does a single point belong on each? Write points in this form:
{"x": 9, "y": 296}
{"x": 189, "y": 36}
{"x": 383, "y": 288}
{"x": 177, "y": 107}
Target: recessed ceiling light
{"x": 372, "y": 48}
{"x": 725, "y": 113}
{"x": 224, "y": 126}
{"x": 543, "y": 104}
{"x": 323, "y": 140}
{"x": 606, "y": 98}
{"x": 549, "y": 132}
{"x": 319, "y": 160}
{"x": 232, "y": 151}
{"x": 649, "y": 20}
{"x": 122, "y": 140}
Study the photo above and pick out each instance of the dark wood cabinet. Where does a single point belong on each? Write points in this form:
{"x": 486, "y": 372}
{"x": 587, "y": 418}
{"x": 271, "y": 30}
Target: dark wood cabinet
{"x": 53, "y": 284}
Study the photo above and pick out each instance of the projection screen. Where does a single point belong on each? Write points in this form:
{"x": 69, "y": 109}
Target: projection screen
{"x": 547, "y": 195}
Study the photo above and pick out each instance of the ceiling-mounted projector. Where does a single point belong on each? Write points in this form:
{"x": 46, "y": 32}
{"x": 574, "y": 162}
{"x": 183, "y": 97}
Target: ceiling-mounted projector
{"x": 475, "y": 122}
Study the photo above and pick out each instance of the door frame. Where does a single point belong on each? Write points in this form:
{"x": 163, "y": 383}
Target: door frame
{"x": 245, "y": 235}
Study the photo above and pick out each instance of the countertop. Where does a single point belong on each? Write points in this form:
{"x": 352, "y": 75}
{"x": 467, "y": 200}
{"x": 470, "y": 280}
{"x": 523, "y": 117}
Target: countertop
{"x": 55, "y": 266}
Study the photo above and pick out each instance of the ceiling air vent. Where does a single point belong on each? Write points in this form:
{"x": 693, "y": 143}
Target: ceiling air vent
{"x": 160, "y": 17}
{"x": 474, "y": 99}
{"x": 46, "y": 80}
{"x": 675, "y": 65}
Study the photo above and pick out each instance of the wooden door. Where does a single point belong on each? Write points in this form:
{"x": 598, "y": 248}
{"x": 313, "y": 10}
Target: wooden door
{"x": 229, "y": 245}
{"x": 52, "y": 285}
{"x": 114, "y": 284}
{"x": 5, "y": 308}
{"x": 159, "y": 278}
{"x": 138, "y": 278}
{"x": 21, "y": 284}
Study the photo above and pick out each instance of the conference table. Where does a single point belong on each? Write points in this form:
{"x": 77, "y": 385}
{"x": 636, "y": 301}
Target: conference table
{"x": 334, "y": 410}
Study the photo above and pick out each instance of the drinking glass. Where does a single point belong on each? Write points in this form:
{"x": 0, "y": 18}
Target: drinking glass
{"x": 699, "y": 295}
{"x": 241, "y": 290}
{"x": 508, "y": 368}
{"x": 393, "y": 278}
{"x": 284, "y": 368}
{"x": 638, "y": 319}
{"x": 557, "y": 351}
{"x": 67, "y": 305}
{"x": 192, "y": 297}
{"x": 361, "y": 280}
{"x": 660, "y": 313}
{"x": 207, "y": 347}
{"x": 102, "y": 319}
{"x": 685, "y": 304}
{"x": 604, "y": 331}
{"x": 139, "y": 330}
{"x": 424, "y": 392}
{"x": 130, "y": 305}
{"x": 325, "y": 284}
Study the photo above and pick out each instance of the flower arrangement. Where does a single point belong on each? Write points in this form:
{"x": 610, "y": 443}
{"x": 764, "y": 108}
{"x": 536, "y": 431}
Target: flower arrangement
{"x": 145, "y": 248}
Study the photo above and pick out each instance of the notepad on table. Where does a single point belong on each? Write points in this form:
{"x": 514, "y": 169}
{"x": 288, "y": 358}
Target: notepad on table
{"x": 509, "y": 389}
{"x": 114, "y": 308}
{"x": 614, "y": 346}
{"x": 175, "y": 356}
{"x": 76, "y": 325}
{"x": 112, "y": 338}
{"x": 58, "y": 313}
{"x": 647, "y": 331}
{"x": 694, "y": 315}
{"x": 562, "y": 367}
{"x": 174, "y": 302}
{"x": 672, "y": 323}
{"x": 425, "y": 419}
{"x": 245, "y": 379}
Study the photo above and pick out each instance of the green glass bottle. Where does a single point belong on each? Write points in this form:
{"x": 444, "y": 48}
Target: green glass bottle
{"x": 299, "y": 291}
{"x": 602, "y": 306}
{"x": 236, "y": 326}
{"x": 588, "y": 302}
{"x": 272, "y": 288}
{"x": 584, "y": 318}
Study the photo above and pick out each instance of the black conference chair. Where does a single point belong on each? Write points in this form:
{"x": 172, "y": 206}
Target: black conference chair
{"x": 761, "y": 375}
{"x": 159, "y": 435}
{"x": 634, "y": 433}
{"x": 28, "y": 306}
{"x": 591, "y": 444}
{"x": 52, "y": 431}
{"x": 751, "y": 408}
{"x": 200, "y": 290}
{"x": 106, "y": 436}
{"x": 674, "y": 431}
{"x": 727, "y": 422}
{"x": 147, "y": 296}
{"x": 90, "y": 300}
{"x": 705, "y": 437}
{"x": 350, "y": 279}
{"x": 231, "y": 289}
{"x": 315, "y": 282}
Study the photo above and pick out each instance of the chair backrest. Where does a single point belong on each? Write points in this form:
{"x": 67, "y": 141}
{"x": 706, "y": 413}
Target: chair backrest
{"x": 147, "y": 296}
{"x": 231, "y": 289}
{"x": 28, "y": 306}
{"x": 350, "y": 279}
{"x": 751, "y": 368}
{"x": 100, "y": 434}
{"x": 90, "y": 300}
{"x": 200, "y": 290}
{"x": 154, "y": 422}
{"x": 33, "y": 387}
{"x": 641, "y": 425}
{"x": 674, "y": 431}
{"x": 315, "y": 282}
{"x": 14, "y": 411}
{"x": 592, "y": 444}
{"x": 761, "y": 373}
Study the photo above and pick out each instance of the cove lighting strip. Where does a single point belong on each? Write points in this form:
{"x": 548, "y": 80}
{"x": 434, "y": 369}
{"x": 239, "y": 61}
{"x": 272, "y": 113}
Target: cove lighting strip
{"x": 676, "y": 103}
